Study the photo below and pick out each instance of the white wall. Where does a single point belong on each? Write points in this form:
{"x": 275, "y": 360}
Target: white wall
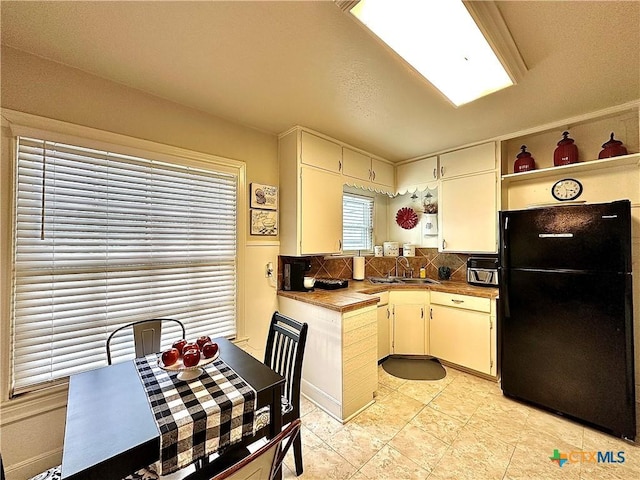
{"x": 32, "y": 427}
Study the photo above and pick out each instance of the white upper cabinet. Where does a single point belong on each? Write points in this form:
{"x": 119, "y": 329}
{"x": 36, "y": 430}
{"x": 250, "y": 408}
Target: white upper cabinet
{"x": 321, "y": 153}
{"x": 310, "y": 195}
{"x": 382, "y": 173}
{"x": 468, "y": 160}
{"x": 468, "y": 203}
{"x": 367, "y": 169}
{"x": 417, "y": 175}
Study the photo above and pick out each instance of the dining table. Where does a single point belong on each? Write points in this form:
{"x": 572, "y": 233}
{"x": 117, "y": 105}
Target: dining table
{"x": 111, "y": 431}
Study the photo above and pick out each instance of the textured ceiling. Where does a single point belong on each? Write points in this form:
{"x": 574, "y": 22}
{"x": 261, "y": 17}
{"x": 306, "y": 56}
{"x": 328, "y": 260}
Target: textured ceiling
{"x": 272, "y": 65}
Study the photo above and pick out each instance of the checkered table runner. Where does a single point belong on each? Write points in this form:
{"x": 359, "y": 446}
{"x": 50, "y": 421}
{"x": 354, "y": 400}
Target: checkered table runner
{"x": 198, "y": 417}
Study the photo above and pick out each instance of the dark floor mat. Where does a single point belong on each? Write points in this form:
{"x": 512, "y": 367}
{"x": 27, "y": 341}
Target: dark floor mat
{"x": 414, "y": 368}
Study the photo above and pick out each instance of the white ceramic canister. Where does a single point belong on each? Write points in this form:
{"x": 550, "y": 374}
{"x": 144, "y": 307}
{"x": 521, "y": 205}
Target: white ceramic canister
{"x": 408, "y": 250}
{"x": 391, "y": 249}
{"x": 378, "y": 251}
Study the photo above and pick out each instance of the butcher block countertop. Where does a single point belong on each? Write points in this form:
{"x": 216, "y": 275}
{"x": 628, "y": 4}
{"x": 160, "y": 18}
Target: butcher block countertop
{"x": 359, "y": 293}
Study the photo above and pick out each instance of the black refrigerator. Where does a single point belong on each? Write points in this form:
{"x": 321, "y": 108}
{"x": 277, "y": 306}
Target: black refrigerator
{"x": 566, "y": 312}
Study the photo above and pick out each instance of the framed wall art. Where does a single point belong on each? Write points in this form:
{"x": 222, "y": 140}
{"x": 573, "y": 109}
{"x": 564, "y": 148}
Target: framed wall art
{"x": 264, "y": 196}
{"x": 264, "y": 222}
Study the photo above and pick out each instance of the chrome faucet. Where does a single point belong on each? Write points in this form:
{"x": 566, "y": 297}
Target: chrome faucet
{"x": 408, "y": 266}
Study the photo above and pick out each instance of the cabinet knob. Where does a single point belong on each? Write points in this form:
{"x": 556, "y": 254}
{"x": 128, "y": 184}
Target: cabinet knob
{"x": 374, "y": 174}
{"x": 442, "y": 171}
{"x": 435, "y": 173}
{"x": 443, "y": 244}
{"x": 370, "y": 174}
{"x": 339, "y": 165}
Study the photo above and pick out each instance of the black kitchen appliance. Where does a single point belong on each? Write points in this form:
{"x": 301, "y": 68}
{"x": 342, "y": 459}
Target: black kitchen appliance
{"x": 566, "y": 312}
{"x": 331, "y": 283}
{"x": 293, "y": 273}
{"x": 483, "y": 271}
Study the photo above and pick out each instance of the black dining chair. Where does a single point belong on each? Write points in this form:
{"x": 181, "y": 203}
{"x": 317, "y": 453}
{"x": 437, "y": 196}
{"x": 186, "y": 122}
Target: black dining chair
{"x": 146, "y": 335}
{"x": 284, "y": 354}
{"x": 262, "y": 464}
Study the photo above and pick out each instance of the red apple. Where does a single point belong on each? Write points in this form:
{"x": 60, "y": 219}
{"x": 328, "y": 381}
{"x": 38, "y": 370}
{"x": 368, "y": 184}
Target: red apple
{"x": 179, "y": 345}
{"x": 189, "y": 346}
{"x": 191, "y": 357}
{"x": 169, "y": 357}
{"x": 209, "y": 349}
{"x": 202, "y": 340}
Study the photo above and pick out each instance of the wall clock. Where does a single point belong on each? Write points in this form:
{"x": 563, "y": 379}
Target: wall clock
{"x": 566, "y": 189}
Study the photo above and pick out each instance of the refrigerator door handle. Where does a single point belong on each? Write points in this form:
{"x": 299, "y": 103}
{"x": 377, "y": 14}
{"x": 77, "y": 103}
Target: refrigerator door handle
{"x": 555, "y": 235}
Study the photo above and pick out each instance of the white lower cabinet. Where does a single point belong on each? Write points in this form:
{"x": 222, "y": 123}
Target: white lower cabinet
{"x": 340, "y": 368}
{"x": 410, "y": 329}
{"x": 384, "y": 325}
{"x": 462, "y": 331}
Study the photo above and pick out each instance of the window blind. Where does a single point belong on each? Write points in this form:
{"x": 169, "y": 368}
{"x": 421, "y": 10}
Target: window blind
{"x": 357, "y": 221}
{"x": 103, "y": 239}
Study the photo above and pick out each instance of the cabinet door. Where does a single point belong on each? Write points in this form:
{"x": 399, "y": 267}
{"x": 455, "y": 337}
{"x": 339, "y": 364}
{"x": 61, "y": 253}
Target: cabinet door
{"x": 417, "y": 175}
{"x": 384, "y": 329}
{"x": 382, "y": 173}
{"x": 468, "y": 214}
{"x": 320, "y": 153}
{"x": 461, "y": 336}
{"x": 468, "y": 160}
{"x": 409, "y": 329}
{"x": 356, "y": 164}
{"x": 321, "y": 212}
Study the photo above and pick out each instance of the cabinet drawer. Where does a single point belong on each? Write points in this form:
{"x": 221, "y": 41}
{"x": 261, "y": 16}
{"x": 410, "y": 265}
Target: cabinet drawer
{"x": 468, "y": 302}
{"x": 351, "y": 321}
{"x": 365, "y": 363}
{"x": 357, "y": 348}
{"x": 362, "y": 333}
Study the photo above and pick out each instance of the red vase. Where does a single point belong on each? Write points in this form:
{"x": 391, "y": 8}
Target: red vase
{"x": 524, "y": 161}
{"x": 566, "y": 152}
{"x": 613, "y": 148}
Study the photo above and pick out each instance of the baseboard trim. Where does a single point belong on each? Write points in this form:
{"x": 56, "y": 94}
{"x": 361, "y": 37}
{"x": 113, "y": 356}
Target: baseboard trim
{"x": 33, "y": 466}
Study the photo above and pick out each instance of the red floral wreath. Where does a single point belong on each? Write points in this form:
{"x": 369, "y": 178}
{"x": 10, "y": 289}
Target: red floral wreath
{"x": 407, "y": 218}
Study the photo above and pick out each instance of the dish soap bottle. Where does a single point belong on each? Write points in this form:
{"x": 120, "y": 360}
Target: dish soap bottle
{"x": 423, "y": 272}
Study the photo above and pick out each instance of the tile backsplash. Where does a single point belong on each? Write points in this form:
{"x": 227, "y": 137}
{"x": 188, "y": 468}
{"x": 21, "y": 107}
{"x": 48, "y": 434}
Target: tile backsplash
{"x": 342, "y": 267}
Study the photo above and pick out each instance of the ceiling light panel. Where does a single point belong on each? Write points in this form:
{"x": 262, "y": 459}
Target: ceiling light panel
{"x": 441, "y": 41}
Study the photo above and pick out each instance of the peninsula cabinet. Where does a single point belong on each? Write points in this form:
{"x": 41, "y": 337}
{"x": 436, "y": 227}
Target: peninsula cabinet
{"x": 462, "y": 331}
{"x": 340, "y": 368}
{"x": 310, "y": 197}
{"x": 468, "y": 203}
{"x": 366, "y": 169}
{"x": 410, "y": 329}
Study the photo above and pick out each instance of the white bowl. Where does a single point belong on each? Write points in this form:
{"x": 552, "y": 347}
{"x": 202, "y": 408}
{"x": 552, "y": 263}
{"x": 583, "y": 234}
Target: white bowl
{"x": 308, "y": 282}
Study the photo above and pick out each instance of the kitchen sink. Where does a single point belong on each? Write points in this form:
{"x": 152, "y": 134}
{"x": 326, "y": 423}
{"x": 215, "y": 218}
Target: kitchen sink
{"x": 385, "y": 279}
{"x": 419, "y": 280}
{"x": 399, "y": 280}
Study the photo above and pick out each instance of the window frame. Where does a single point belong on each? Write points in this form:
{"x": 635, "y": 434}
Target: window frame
{"x": 22, "y": 124}
{"x": 372, "y": 229}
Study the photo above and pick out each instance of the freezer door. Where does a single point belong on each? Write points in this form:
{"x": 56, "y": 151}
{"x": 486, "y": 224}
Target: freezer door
{"x": 567, "y": 345}
{"x": 594, "y": 237}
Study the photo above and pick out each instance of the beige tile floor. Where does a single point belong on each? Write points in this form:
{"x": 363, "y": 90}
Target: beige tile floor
{"x": 460, "y": 427}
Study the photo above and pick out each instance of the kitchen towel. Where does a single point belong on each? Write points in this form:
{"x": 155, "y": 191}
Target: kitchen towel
{"x": 199, "y": 417}
{"x": 358, "y": 268}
